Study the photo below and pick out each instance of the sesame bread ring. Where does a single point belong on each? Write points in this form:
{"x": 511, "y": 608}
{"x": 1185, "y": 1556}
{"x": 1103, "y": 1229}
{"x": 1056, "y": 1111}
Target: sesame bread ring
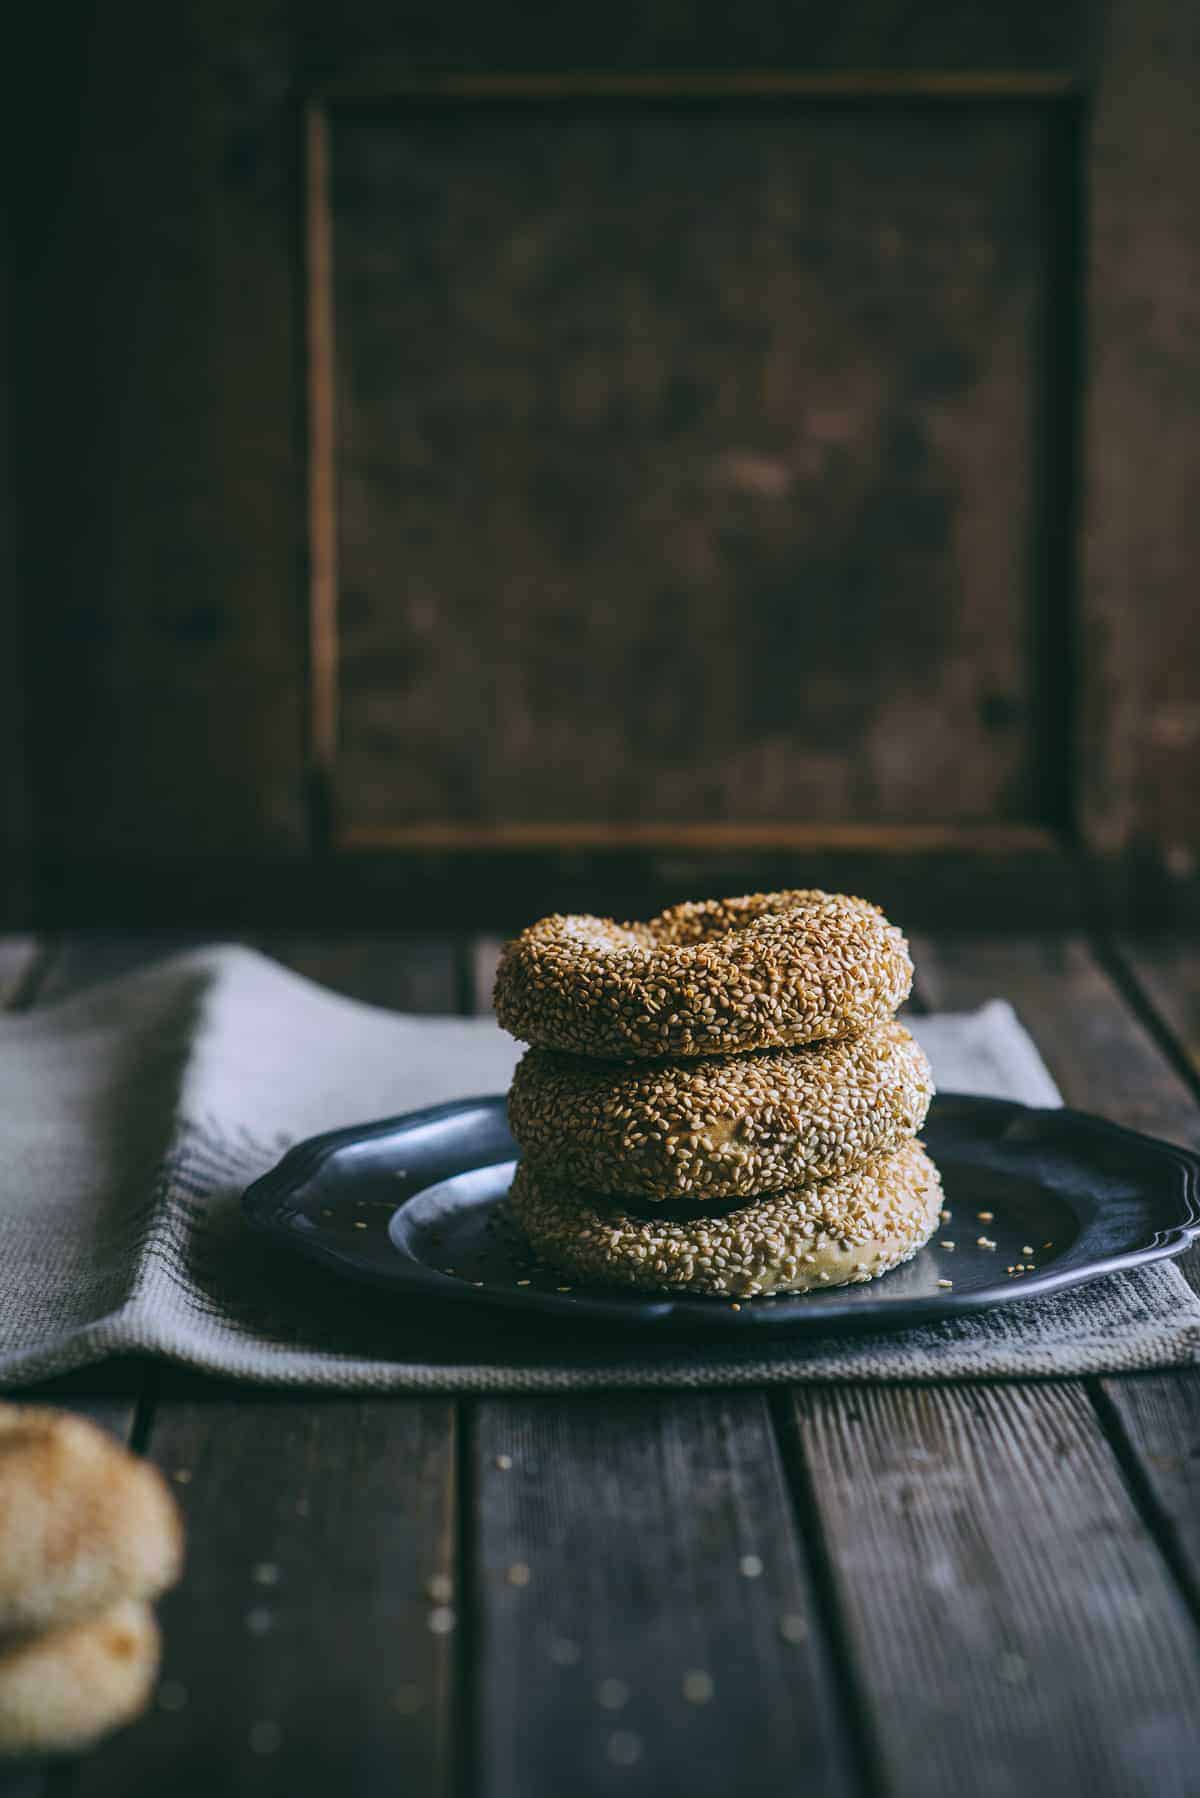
{"x": 60, "y": 1692}
{"x": 83, "y": 1522}
{"x": 707, "y": 978}
{"x": 731, "y": 1126}
{"x": 841, "y": 1232}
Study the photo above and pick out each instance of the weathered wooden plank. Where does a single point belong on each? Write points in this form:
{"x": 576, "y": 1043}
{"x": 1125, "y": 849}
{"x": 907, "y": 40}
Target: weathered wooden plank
{"x": 361, "y": 39}
{"x": 1167, "y": 969}
{"x": 1137, "y": 644}
{"x": 485, "y": 959}
{"x": 1106, "y": 1059}
{"x": 163, "y": 624}
{"x": 310, "y": 1646}
{"x": 1159, "y": 1417}
{"x": 1102, "y": 1056}
{"x": 519, "y": 288}
{"x": 407, "y": 973}
{"x": 645, "y": 1618}
{"x": 1012, "y": 1623}
{"x": 15, "y": 810}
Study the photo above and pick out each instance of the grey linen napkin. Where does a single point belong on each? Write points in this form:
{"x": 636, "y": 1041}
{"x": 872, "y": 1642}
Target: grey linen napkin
{"x": 133, "y": 1115}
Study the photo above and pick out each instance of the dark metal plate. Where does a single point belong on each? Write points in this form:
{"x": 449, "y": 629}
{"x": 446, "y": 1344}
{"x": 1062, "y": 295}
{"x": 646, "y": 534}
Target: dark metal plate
{"x": 412, "y": 1203}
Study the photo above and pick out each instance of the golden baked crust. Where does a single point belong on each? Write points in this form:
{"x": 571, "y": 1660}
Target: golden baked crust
{"x": 712, "y": 977}
{"x": 720, "y": 1127}
{"x": 83, "y": 1522}
{"x": 840, "y": 1232}
{"x": 60, "y": 1692}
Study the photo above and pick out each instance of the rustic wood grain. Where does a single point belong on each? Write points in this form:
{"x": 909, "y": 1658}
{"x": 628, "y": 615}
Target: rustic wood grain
{"x": 1139, "y": 641}
{"x": 161, "y": 449}
{"x": 1157, "y": 1416}
{"x": 15, "y": 816}
{"x": 631, "y": 1517}
{"x": 485, "y": 959}
{"x": 299, "y": 1653}
{"x": 1167, "y": 969}
{"x": 587, "y": 451}
{"x": 631, "y": 35}
{"x": 1102, "y": 1056}
{"x": 405, "y": 973}
{"x": 1012, "y": 1623}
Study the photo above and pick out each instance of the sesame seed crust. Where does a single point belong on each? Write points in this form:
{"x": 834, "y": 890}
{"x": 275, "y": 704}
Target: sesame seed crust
{"x": 714, "y": 976}
{"x": 729, "y": 1126}
{"x": 837, "y": 1233}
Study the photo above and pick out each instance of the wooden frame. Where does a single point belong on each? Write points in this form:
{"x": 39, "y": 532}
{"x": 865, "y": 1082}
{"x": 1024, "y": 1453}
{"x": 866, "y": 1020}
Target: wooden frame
{"x": 382, "y": 85}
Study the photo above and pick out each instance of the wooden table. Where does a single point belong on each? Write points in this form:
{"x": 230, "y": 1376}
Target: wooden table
{"x": 984, "y": 1589}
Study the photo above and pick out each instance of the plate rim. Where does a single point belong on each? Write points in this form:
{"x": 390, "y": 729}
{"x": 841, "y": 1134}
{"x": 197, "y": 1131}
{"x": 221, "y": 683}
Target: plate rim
{"x": 264, "y": 1206}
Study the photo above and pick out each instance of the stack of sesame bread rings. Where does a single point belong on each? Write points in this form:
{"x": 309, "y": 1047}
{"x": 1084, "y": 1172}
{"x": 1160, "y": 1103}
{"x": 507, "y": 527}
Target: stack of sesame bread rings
{"x": 720, "y": 1100}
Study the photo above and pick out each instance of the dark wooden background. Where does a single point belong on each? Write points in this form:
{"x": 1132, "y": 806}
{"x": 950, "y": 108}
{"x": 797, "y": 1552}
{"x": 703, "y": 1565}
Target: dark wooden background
{"x": 467, "y": 460}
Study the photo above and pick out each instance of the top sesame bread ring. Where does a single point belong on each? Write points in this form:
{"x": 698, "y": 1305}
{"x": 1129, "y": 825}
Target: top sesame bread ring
{"x": 83, "y": 1523}
{"x": 711, "y": 977}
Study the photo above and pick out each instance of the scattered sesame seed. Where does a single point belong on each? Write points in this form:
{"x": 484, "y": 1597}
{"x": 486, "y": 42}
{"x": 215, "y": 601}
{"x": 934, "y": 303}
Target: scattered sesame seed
{"x": 441, "y": 1620}
{"x": 944, "y": 1215}
{"x": 735, "y": 1307}
{"x": 698, "y": 1686}
{"x": 624, "y": 1748}
{"x": 1047, "y": 1245}
{"x": 519, "y": 1574}
{"x": 945, "y": 1282}
{"x": 523, "y": 1282}
{"x": 503, "y": 1462}
{"x": 265, "y": 1737}
{"x": 986, "y": 1217}
{"x": 948, "y": 1245}
{"x": 612, "y": 1694}
{"x": 440, "y": 1588}
{"x": 358, "y": 1224}
{"x": 563, "y": 1289}
{"x": 750, "y": 1567}
{"x": 1027, "y": 1249}
{"x": 182, "y": 1476}
{"x": 984, "y": 1242}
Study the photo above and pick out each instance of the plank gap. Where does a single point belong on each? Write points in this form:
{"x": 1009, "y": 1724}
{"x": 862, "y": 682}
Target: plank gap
{"x": 865, "y": 1751}
{"x": 1125, "y": 976}
{"x": 1145, "y": 1495}
{"x": 464, "y": 1698}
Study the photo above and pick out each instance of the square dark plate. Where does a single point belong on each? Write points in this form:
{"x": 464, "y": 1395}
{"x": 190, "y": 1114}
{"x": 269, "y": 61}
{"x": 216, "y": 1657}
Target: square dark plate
{"x": 411, "y": 1202}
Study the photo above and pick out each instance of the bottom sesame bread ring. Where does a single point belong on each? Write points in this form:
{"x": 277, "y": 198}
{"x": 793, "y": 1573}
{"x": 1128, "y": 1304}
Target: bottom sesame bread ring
{"x": 728, "y": 1127}
{"x": 841, "y": 1231}
{"x": 60, "y": 1692}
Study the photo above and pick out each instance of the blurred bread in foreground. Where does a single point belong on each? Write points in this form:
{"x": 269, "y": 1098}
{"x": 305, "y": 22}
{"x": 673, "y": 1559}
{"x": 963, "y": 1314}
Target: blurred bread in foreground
{"x": 83, "y": 1523}
{"x": 62, "y": 1690}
